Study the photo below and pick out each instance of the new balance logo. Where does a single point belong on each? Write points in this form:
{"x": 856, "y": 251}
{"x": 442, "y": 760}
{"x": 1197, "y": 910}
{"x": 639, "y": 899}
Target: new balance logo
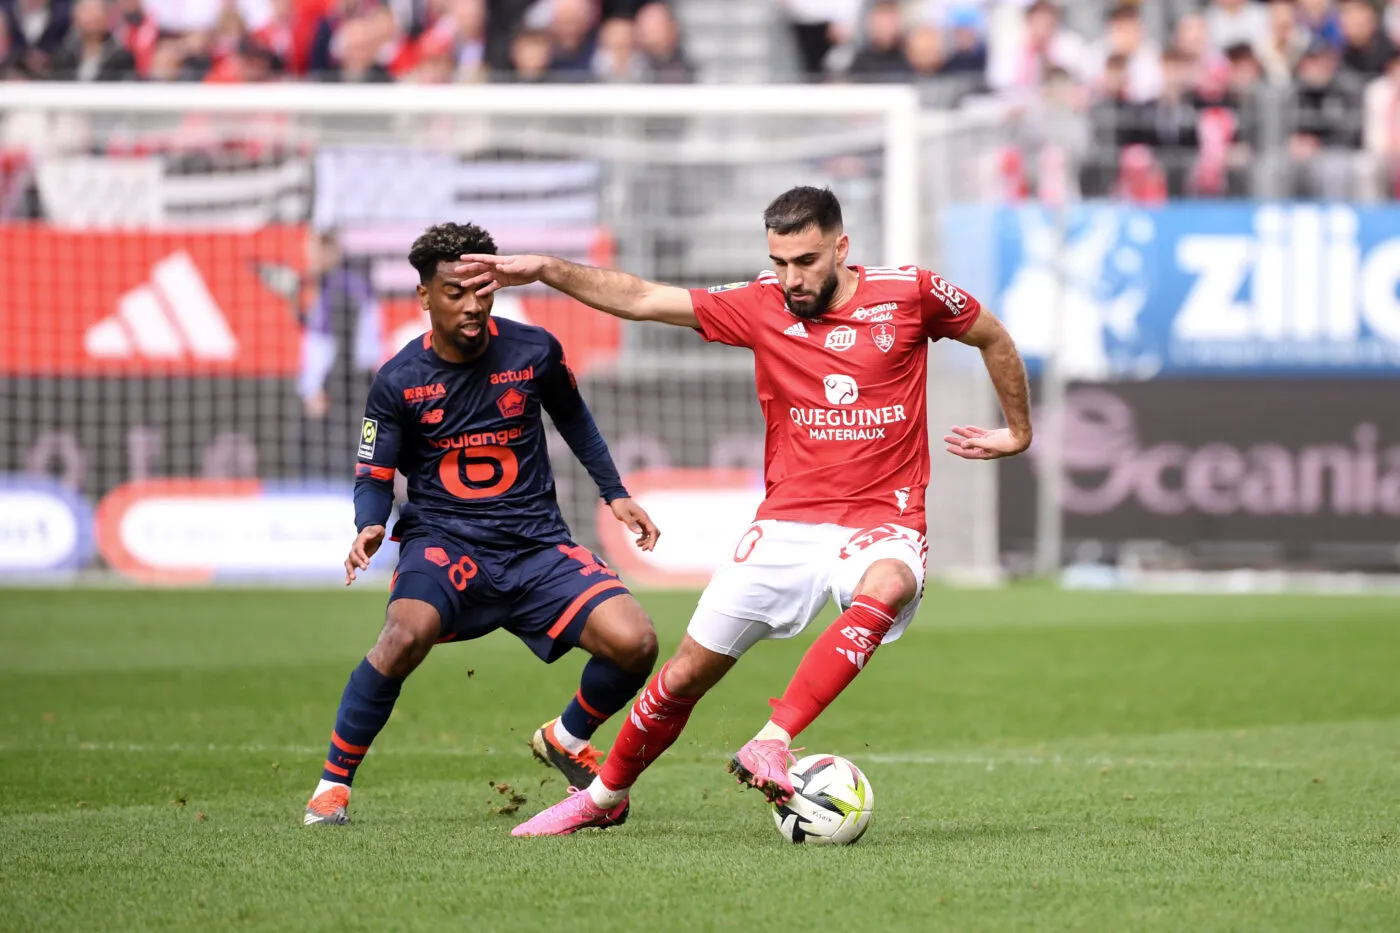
{"x": 855, "y": 657}
{"x": 170, "y": 317}
{"x": 797, "y": 330}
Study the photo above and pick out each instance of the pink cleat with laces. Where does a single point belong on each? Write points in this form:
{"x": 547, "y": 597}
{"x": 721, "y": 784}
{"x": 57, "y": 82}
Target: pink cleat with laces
{"x": 763, "y": 764}
{"x": 576, "y": 811}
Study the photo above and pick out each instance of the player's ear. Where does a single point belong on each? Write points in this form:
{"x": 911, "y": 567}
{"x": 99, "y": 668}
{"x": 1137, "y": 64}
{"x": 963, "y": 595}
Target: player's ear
{"x": 422, "y": 296}
{"x": 843, "y": 249}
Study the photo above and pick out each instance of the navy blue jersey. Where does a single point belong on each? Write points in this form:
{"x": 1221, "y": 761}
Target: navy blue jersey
{"x": 471, "y": 441}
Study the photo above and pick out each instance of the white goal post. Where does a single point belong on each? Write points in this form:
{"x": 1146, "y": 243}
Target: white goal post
{"x": 214, "y": 209}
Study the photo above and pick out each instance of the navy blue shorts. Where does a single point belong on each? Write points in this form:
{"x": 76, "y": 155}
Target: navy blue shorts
{"x": 542, "y": 595}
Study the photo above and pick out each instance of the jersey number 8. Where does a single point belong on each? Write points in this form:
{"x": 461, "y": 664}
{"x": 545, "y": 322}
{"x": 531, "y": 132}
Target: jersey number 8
{"x": 478, "y": 472}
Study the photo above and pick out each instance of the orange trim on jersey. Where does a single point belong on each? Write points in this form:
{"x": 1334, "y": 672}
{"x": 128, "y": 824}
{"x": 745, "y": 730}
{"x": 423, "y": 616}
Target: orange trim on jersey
{"x": 491, "y": 327}
{"x": 346, "y": 747}
{"x": 374, "y": 472}
{"x": 586, "y": 708}
{"x": 336, "y": 770}
{"x": 577, "y": 604}
{"x": 445, "y": 639}
{"x": 427, "y": 340}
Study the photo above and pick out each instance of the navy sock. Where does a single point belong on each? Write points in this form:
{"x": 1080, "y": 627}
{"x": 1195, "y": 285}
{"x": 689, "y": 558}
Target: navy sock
{"x": 604, "y": 689}
{"x": 364, "y": 709}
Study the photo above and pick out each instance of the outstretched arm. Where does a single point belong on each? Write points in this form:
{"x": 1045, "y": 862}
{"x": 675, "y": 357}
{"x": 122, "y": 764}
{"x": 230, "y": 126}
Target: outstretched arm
{"x": 617, "y": 293}
{"x": 1008, "y": 375}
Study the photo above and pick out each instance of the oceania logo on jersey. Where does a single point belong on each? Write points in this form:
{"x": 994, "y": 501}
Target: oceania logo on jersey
{"x": 429, "y": 393}
{"x": 881, "y": 312}
{"x": 953, "y": 297}
{"x": 840, "y": 390}
{"x": 513, "y": 375}
{"x": 841, "y": 338}
{"x": 725, "y": 288}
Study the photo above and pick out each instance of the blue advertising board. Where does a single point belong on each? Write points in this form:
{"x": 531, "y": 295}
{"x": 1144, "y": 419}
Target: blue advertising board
{"x": 1229, "y": 289}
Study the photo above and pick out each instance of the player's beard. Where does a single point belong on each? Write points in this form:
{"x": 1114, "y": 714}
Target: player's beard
{"x": 815, "y": 307}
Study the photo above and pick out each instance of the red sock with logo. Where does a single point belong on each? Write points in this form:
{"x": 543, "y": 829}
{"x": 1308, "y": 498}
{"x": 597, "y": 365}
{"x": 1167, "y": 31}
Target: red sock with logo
{"x": 833, "y": 661}
{"x": 653, "y": 725}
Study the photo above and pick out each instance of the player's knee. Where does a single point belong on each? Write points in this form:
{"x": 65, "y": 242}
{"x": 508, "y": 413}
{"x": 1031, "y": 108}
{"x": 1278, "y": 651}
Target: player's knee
{"x": 637, "y": 653}
{"x": 891, "y": 582}
{"x": 409, "y": 632}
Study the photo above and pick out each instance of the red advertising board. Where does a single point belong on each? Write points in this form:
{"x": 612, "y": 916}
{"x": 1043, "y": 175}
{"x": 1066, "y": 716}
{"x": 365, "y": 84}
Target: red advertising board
{"x": 139, "y": 303}
{"x": 131, "y": 303}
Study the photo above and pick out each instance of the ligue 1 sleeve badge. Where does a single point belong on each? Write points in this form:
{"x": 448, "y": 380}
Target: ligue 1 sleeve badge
{"x": 883, "y": 335}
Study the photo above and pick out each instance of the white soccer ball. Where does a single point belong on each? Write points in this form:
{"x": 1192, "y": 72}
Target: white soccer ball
{"x": 832, "y": 805}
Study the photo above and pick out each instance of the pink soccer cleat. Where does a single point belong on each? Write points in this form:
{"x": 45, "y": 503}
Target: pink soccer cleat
{"x": 763, "y": 764}
{"x": 576, "y": 811}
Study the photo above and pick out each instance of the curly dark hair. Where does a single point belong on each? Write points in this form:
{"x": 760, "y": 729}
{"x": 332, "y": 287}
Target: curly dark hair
{"x": 799, "y": 208}
{"x": 442, "y": 242}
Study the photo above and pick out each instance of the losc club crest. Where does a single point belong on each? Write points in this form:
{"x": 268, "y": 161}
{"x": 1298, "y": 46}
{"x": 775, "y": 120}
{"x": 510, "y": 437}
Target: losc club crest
{"x": 883, "y": 335}
{"x": 511, "y": 403}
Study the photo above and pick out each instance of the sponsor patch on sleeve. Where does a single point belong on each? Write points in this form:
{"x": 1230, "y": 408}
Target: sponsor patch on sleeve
{"x": 725, "y": 288}
{"x": 369, "y": 433}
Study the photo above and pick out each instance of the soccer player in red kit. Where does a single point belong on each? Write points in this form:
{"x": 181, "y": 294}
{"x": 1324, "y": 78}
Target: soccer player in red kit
{"x": 841, "y": 358}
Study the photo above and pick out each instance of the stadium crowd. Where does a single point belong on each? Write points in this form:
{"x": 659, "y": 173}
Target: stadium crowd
{"x": 1148, "y": 98}
{"x": 424, "y": 41}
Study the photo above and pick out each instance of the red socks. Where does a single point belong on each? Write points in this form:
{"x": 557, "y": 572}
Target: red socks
{"x": 833, "y": 661}
{"x": 653, "y": 725}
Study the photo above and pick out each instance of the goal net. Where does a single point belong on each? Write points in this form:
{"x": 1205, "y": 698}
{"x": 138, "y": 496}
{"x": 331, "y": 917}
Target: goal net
{"x": 199, "y": 284}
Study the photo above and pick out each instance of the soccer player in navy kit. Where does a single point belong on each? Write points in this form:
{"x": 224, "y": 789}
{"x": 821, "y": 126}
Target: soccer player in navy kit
{"x": 482, "y": 543}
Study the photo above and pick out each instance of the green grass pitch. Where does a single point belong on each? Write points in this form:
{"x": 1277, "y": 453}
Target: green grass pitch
{"x": 1041, "y": 761}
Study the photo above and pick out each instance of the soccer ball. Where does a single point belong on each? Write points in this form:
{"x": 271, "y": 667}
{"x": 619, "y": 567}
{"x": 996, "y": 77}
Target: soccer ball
{"x": 832, "y": 805}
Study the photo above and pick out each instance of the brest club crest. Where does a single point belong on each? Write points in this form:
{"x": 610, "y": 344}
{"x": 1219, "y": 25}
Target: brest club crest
{"x": 883, "y": 335}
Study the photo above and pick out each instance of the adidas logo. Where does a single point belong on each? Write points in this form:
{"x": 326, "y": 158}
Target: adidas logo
{"x": 797, "y": 330}
{"x": 855, "y": 657}
{"x": 170, "y": 316}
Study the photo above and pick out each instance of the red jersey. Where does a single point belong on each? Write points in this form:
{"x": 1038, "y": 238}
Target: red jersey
{"x": 843, "y": 396}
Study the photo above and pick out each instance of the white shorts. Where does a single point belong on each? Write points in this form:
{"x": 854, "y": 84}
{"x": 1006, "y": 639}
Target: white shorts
{"x": 782, "y": 573}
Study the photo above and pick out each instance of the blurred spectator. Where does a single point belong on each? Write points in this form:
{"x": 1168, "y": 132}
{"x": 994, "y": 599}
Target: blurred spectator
{"x": 360, "y": 41}
{"x": 451, "y": 45}
{"x": 1192, "y": 40}
{"x": 1172, "y": 121}
{"x": 924, "y": 50}
{"x": 573, "y": 40}
{"x": 1320, "y": 19}
{"x": 1056, "y": 136}
{"x": 881, "y": 57}
{"x": 322, "y": 58}
{"x": 1124, "y": 35}
{"x": 1236, "y": 22}
{"x": 968, "y": 55}
{"x": 818, "y": 26}
{"x": 617, "y": 50}
{"x": 1285, "y": 42}
{"x": 1391, "y": 19}
{"x": 530, "y": 56}
{"x": 1365, "y": 49}
{"x": 658, "y": 40}
{"x": 1019, "y": 62}
{"x": 1326, "y": 126}
{"x": 91, "y": 52}
{"x": 35, "y": 30}
{"x": 1381, "y": 130}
